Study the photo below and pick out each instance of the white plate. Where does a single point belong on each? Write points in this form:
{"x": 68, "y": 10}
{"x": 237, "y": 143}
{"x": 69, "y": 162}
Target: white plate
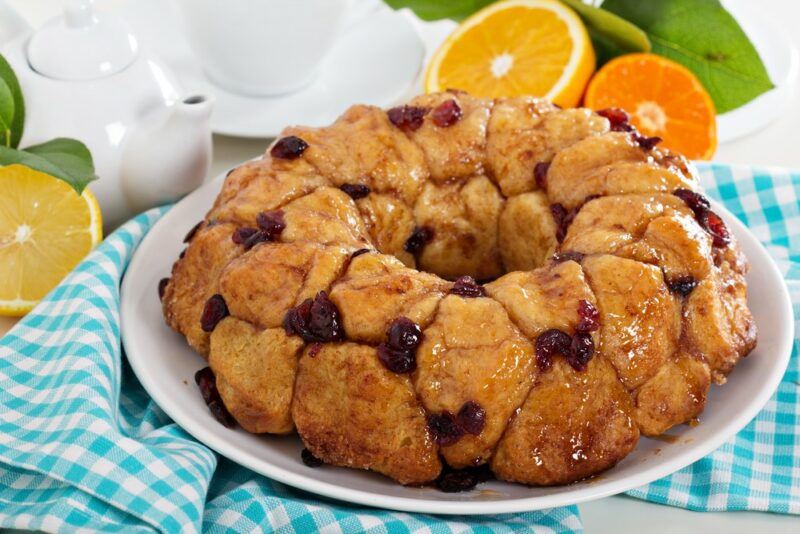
{"x": 165, "y": 366}
{"x": 376, "y": 60}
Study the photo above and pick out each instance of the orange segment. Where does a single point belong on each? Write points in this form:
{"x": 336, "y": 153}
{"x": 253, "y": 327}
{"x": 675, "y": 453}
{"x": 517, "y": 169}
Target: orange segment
{"x": 663, "y": 98}
{"x": 516, "y": 47}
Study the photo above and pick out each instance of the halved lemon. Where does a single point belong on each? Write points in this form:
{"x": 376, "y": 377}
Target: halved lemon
{"x": 516, "y": 47}
{"x": 46, "y": 228}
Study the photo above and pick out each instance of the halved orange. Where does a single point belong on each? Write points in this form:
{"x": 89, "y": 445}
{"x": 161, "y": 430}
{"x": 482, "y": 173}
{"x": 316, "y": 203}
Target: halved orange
{"x": 513, "y": 48}
{"x": 662, "y": 97}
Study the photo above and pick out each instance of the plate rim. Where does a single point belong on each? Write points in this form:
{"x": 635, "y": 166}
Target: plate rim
{"x": 647, "y": 474}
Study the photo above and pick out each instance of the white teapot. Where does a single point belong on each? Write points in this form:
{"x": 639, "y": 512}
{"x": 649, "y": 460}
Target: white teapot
{"x": 84, "y": 75}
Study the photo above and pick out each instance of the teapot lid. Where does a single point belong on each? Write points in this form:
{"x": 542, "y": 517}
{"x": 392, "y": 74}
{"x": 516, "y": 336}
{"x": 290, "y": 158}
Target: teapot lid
{"x": 81, "y": 44}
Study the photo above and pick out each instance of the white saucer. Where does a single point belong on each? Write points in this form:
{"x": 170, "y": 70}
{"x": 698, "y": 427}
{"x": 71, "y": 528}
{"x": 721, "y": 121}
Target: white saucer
{"x": 166, "y": 365}
{"x": 376, "y": 61}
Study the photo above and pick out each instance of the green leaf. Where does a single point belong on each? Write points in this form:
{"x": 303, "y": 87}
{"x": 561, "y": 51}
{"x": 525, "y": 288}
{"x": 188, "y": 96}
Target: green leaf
{"x": 64, "y": 145}
{"x": 440, "y": 9}
{"x": 6, "y": 112}
{"x": 611, "y": 35}
{"x": 66, "y": 159}
{"x": 707, "y": 40}
{"x": 17, "y": 123}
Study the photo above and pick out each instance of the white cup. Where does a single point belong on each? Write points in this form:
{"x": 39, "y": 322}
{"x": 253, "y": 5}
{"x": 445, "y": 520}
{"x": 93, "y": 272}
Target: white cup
{"x": 262, "y": 47}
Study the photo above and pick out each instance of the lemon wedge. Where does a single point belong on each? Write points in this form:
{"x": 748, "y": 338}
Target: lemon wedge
{"x": 46, "y": 228}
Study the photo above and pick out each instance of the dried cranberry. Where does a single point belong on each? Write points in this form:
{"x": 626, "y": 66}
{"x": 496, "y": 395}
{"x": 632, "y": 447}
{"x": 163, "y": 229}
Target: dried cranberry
{"x": 568, "y": 255}
{"x": 309, "y": 459}
{"x": 695, "y": 201}
{"x": 325, "y": 320}
{"x": 548, "y": 344}
{"x": 162, "y": 287}
{"x": 559, "y": 213}
{"x": 710, "y": 221}
{"x": 715, "y": 226}
{"x": 316, "y": 321}
{"x": 241, "y": 235}
{"x": 616, "y": 117}
{"x": 259, "y": 237}
{"x": 563, "y": 219}
{"x": 540, "y": 173}
{"x": 418, "y": 239}
{"x": 447, "y": 113}
{"x": 471, "y": 417}
{"x": 444, "y": 428}
{"x": 295, "y": 322}
{"x": 682, "y": 285}
{"x": 398, "y": 353}
{"x": 397, "y": 361}
{"x": 589, "y": 317}
{"x": 192, "y": 232}
{"x": 646, "y": 143}
{"x": 467, "y": 287}
{"x": 482, "y": 472}
{"x": 207, "y": 382}
{"x": 581, "y": 351}
{"x": 214, "y": 311}
{"x": 221, "y": 414}
{"x": 403, "y": 334}
{"x": 355, "y": 191}
{"x": 407, "y": 118}
{"x": 359, "y": 252}
{"x": 272, "y": 223}
{"x": 291, "y": 147}
{"x": 458, "y": 480}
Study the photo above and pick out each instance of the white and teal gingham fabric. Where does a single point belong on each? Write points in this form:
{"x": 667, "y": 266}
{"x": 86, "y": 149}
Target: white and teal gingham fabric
{"x": 82, "y": 446}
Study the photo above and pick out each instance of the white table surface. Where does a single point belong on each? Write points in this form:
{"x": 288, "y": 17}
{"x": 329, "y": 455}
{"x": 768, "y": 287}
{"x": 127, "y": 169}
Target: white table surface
{"x": 777, "y": 144}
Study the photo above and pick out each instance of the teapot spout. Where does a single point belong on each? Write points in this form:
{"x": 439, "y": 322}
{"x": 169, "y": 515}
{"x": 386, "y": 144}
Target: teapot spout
{"x": 195, "y": 108}
{"x": 166, "y": 159}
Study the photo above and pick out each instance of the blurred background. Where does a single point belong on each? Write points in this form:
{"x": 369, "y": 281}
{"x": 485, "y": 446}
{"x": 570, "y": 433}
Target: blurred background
{"x": 153, "y": 88}
{"x": 756, "y": 136}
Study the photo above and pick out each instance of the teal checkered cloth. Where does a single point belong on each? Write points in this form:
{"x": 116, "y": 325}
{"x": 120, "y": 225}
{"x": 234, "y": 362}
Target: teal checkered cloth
{"x": 83, "y": 446}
